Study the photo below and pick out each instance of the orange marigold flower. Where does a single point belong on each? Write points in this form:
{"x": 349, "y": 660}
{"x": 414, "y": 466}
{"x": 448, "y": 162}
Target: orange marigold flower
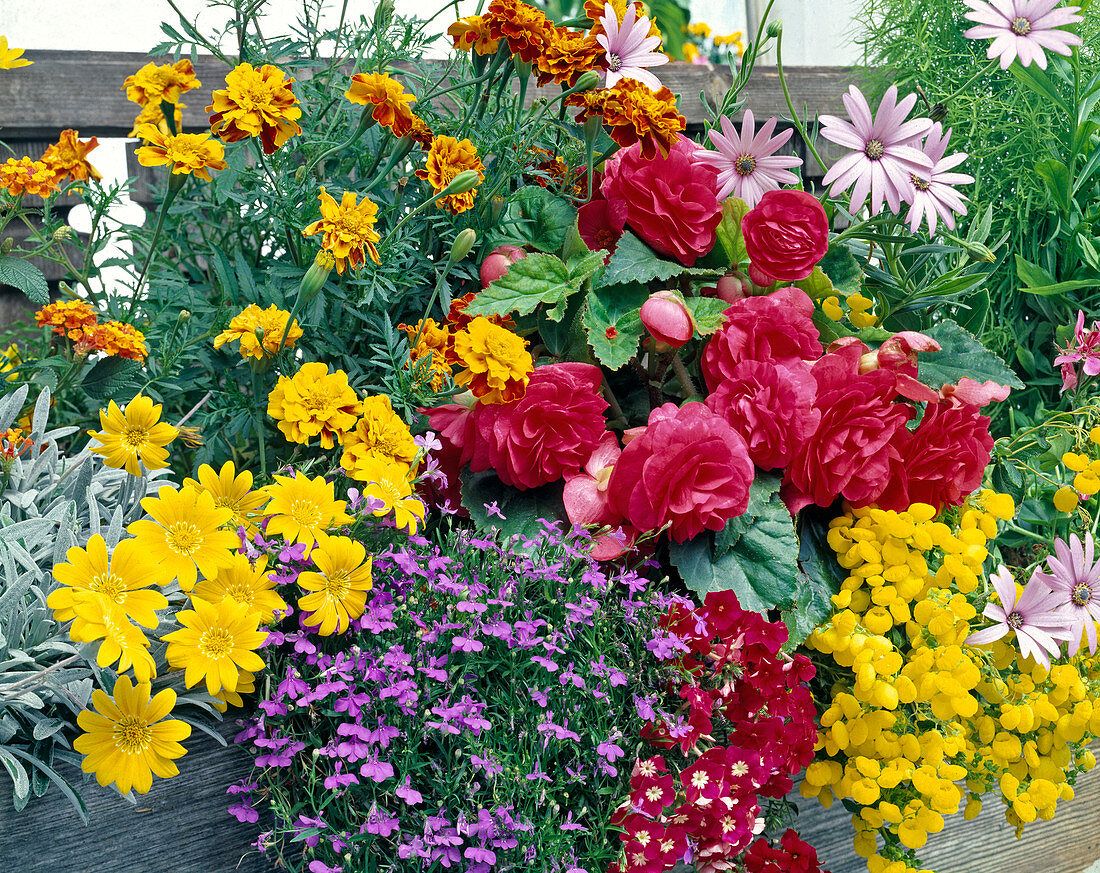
{"x": 567, "y": 54}
{"x": 153, "y": 115}
{"x": 391, "y": 103}
{"x": 432, "y": 348}
{"x": 25, "y": 176}
{"x": 458, "y": 320}
{"x": 473, "y": 32}
{"x": 633, "y": 113}
{"x": 527, "y": 30}
{"x": 498, "y": 365}
{"x": 68, "y": 157}
{"x": 187, "y": 152}
{"x": 259, "y": 331}
{"x": 256, "y": 103}
{"x": 118, "y": 339}
{"x": 154, "y": 84}
{"x": 550, "y": 170}
{"x": 420, "y": 133}
{"x": 348, "y": 228}
{"x": 448, "y": 157}
{"x": 69, "y": 318}
{"x": 594, "y": 10}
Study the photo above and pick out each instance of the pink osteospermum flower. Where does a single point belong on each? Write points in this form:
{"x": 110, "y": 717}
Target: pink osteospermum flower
{"x": 1022, "y": 29}
{"x": 1085, "y": 347}
{"x": 1037, "y": 618}
{"x": 935, "y": 198}
{"x": 885, "y": 152}
{"x": 1075, "y": 578}
{"x": 629, "y": 48}
{"x": 747, "y": 163}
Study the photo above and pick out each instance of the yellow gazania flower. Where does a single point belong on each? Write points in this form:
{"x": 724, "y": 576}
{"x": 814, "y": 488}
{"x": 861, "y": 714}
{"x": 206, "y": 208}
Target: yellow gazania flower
{"x": 498, "y": 365}
{"x": 253, "y": 323}
{"x": 379, "y": 433}
{"x": 246, "y": 684}
{"x": 97, "y": 618}
{"x": 390, "y": 102}
{"x": 71, "y": 318}
{"x": 391, "y": 484}
{"x": 256, "y": 103}
{"x": 187, "y": 152}
{"x": 243, "y": 583}
{"x": 154, "y": 83}
{"x": 10, "y": 57}
{"x": 117, "y": 339}
{"x": 25, "y": 176}
{"x": 127, "y": 740}
{"x": 314, "y": 403}
{"x": 134, "y": 434}
{"x": 446, "y": 159}
{"x": 732, "y": 39}
{"x": 302, "y": 508}
{"x": 338, "y": 591}
{"x": 184, "y": 534}
{"x": 9, "y": 360}
{"x": 472, "y": 32}
{"x": 215, "y": 643}
{"x": 348, "y": 228}
{"x": 68, "y": 157}
{"x": 153, "y": 114}
{"x": 232, "y": 491}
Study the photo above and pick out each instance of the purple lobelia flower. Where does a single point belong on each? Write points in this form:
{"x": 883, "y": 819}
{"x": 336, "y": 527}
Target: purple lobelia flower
{"x": 1022, "y": 29}
{"x": 1075, "y": 576}
{"x": 747, "y": 162}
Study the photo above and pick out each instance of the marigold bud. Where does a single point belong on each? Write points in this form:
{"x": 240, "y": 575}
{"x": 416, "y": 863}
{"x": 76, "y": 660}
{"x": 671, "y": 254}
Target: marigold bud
{"x": 465, "y": 181}
{"x": 463, "y": 243}
{"x": 587, "y": 81}
{"x": 774, "y": 29}
{"x": 7, "y": 245}
{"x": 184, "y": 316}
{"x": 316, "y": 276}
{"x": 62, "y": 233}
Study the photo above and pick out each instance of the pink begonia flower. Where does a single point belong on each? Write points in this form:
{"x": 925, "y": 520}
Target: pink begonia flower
{"x": 1021, "y": 29}
{"x": 747, "y": 163}
{"x": 885, "y": 150}
{"x": 1075, "y": 577}
{"x": 972, "y": 393}
{"x": 587, "y": 502}
{"x": 629, "y": 47}
{"x": 1037, "y": 618}
{"x": 934, "y": 198}
{"x": 1085, "y": 347}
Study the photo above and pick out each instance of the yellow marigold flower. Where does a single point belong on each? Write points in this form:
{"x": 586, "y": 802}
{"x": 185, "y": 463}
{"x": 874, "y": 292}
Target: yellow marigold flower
{"x": 68, "y": 157}
{"x": 448, "y": 157}
{"x": 568, "y": 53}
{"x": 153, "y": 115}
{"x": 472, "y": 32}
{"x": 246, "y": 584}
{"x": 154, "y": 83}
{"x": 118, "y": 339}
{"x": 25, "y": 176}
{"x": 259, "y": 331}
{"x": 390, "y": 486}
{"x": 215, "y": 643}
{"x": 184, "y": 534}
{"x": 431, "y": 349}
{"x": 699, "y": 28}
{"x": 127, "y": 739}
{"x": 379, "y": 433}
{"x": 390, "y": 102}
{"x": 348, "y": 229}
{"x": 314, "y": 403}
{"x": 187, "y": 152}
{"x": 498, "y": 365}
{"x": 133, "y": 436}
{"x": 338, "y": 588}
{"x": 256, "y": 103}
{"x": 100, "y": 619}
{"x": 246, "y": 684}
{"x": 10, "y": 57}
{"x": 302, "y": 508}
{"x": 633, "y": 113}
{"x": 526, "y": 29}
{"x": 67, "y": 318}
{"x": 232, "y": 491}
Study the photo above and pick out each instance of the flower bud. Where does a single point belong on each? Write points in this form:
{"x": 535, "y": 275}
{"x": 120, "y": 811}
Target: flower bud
{"x": 315, "y": 278}
{"x": 759, "y": 277}
{"x": 774, "y": 29}
{"x": 592, "y": 126}
{"x": 979, "y": 252}
{"x": 938, "y": 112}
{"x": 463, "y": 243}
{"x": 523, "y": 69}
{"x": 465, "y": 181}
{"x": 62, "y": 233}
{"x": 7, "y": 245}
{"x": 587, "y": 81}
{"x": 668, "y": 319}
{"x": 496, "y": 208}
{"x": 383, "y": 14}
{"x": 184, "y": 316}
{"x": 733, "y": 287}
{"x": 498, "y": 261}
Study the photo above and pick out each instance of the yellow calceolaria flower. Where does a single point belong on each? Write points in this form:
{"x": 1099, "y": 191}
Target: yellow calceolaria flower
{"x": 314, "y": 403}
{"x": 302, "y": 508}
{"x": 735, "y": 40}
{"x": 348, "y": 229}
{"x": 831, "y": 307}
{"x": 338, "y": 588}
{"x": 244, "y": 583}
{"x": 699, "y": 28}
{"x": 188, "y": 153}
{"x": 185, "y": 534}
{"x": 1066, "y": 499}
{"x": 256, "y": 103}
{"x": 25, "y": 176}
{"x": 498, "y": 365}
{"x": 448, "y": 157}
{"x": 260, "y": 331}
{"x": 232, "y": 491}
{"x": 390, "y": 102}
{"x": 859, "y": 310}
{"x": 129, "y": 739}
{"x": 154, "y": 83}
{"x": 133, "y": 436}
{"x": 216, "y": 643}
{"x": 379, "y": 433}
{"x": 389, "y": 486}
{"x": 11, "y": 58}
{"x": 68, "y": 157}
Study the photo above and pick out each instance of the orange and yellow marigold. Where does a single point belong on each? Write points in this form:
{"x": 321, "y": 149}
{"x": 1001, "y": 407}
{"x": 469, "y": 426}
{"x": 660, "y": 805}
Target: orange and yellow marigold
{"x": 154, "y": 84}
{"x": 390, "y": 102}
{"x": 472, "y": 32}
{"x": 498, "y": 365}
{"x": 68, "y": 157}
{"x": 448, "y": 157}
{"x": 256, "y": 102}
{"x": 188, "y": 153}
{"x": 379, "y": 433}
{"x": 25, "y": 176}
{"x": 347, "y": 228}
{"x": 260, "y": 332}
{"x": 314, "y": 403}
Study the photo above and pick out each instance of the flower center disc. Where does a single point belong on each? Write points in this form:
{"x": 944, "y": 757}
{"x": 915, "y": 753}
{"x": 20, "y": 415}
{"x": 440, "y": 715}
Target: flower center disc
{"x": 614, "y": 63}
{"x": 1081, "y": 594}
{"x": 109, "y": 586}
{"x": 184, "y": 538}
{"x": 744, "y": 165}
{"x": 132, "y": 734}
{"x": 874, "y": 149}
{"x": 134, "y": 436}
{"x": 919, "y": 183}
{"x": 306, "y": 513}
{"x": 1021, "y": 26}
{"x": 336, "y": 585}
{"x": 215, "y": 643}
{"x": 1015, "y": 620}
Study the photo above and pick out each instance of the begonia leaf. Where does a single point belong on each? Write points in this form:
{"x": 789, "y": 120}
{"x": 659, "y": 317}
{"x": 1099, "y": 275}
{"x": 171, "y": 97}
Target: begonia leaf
{"x": 708, "y": 313}
{"x": 492, "y": 504}
{"x": 961, "y": 354}
{"x": 547, "y": 219}
{"x": 634, "y": 261}
{"x": 612, "y": 318}
{"x": 530, "y": 281}
{"x": 730, "y": 236}
{"x": 842, "y": 270}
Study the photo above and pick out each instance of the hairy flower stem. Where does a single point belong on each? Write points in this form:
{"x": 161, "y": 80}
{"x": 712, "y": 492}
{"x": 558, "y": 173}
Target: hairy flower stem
{"x": 175, "y": 182}
{"x": 682, "y": 376}
{"x": 806, "y": 138}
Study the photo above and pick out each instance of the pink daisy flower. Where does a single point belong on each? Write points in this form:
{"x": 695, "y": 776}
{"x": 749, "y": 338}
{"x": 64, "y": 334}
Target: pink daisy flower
{"x": 628, "y": 47}
{"x": 934, "y": 198}
{"x": 1085, "y": 347}
{"x": 1037, "y": 618}
{"x": 1075, "y": 578}
{"x": 747, "y": 164}
{"x": 884, "y": 150}
{"x": 1022, "y": 29}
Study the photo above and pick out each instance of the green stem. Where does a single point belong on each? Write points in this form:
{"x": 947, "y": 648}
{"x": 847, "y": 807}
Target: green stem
{"x": 790, "y": 103}
{"x": 258, "y": 418}
{"x": 365, "y": 121}
{"x": 984, "y": 71}
{"x": 175, "y": 182}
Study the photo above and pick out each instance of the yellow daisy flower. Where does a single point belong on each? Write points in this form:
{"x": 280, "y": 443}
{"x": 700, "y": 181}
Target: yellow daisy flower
{"x": 233, "y": 491}
{"x": 10, "y": 57}
{"x": 128, "y": 740}
{"x": 498, "y": 365}
{"x": 314, "y": 403}
{"x": 132, "y": 435}
{"x": 259, "y": 331}
{"x": 348, "y": 229}
{"x": 246, "y": 684}
{"x": 392, "y": 485}
{"x": 215, "y": 643}
{"x": 97, "y": 618}
{"x": 184, "y": 534}
{"x": 379, "y": 433}
{"x": 243, "y": 583}
{"x": 187, "y": 152}
{"x": 256, "y": 102}
{"x": 338, "y": 590}
{"x": 302, "y": 508}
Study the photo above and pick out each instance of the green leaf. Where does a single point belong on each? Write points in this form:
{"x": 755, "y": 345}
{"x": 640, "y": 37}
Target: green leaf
{"x": 709, "y": 313}
{"x": 1037, "y": 80}
{"x": 842, "y": 269}
{"x": 1031, "y": 274}
{"x": 548, "y": 217}
{"x": 763, "y": 487}
{"x": 634, "y": 261}
{"x": 612, "y": 318}
{"x": 961, "y": 355}
{"x": 26, "y": 277}
{"x": 17, "y": 772}
{"x": 817, "y": 285}
{"x": 819, "y": 575}
{"x": 1056, "y": 176}
{"x": 522, "y": 510}
{"x": 529, "y": 281}
{"x": 1009, "y": 479}
{"x": 109, "y": 377}
{"x": 730, "y": 236}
